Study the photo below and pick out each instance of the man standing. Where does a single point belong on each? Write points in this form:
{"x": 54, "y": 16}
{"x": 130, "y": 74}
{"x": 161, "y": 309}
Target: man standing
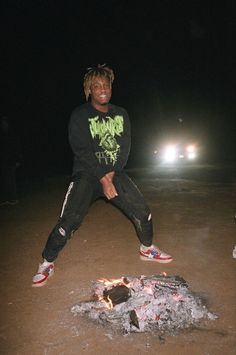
{"x": 99, "y": 135}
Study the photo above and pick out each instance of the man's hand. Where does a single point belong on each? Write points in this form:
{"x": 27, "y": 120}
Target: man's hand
{"x": 108, "y": 187}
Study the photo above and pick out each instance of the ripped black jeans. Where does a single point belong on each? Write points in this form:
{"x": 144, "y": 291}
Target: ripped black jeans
{"x": 79, "y": 197}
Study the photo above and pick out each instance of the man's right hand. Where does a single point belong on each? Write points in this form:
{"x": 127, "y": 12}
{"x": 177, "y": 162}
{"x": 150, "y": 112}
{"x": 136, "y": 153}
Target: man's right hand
{"x": 108, "y": 187}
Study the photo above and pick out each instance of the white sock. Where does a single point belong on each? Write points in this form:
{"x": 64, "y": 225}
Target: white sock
{"x": 144, "y": 247}
{"x": 46, "y": 262}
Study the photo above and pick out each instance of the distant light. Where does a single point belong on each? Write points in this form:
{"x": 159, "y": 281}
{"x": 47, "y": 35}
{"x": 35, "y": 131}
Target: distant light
{"x": 192, "y": 156}
{"x": 191, "y": 149}
{"x": 170, "y": 154}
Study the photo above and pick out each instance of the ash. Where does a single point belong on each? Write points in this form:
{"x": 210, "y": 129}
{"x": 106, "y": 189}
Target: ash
{"x": 144, "y": 304}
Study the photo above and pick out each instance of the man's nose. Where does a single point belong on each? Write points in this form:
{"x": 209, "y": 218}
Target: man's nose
{"x": 104, "y": 88}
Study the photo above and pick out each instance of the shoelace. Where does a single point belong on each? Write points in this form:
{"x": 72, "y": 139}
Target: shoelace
{"x": 154, "y": 252}
{"x": 44, "y": 269}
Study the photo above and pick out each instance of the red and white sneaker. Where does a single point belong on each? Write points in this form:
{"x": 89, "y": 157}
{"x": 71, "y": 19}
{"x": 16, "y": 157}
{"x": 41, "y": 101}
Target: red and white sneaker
{"x": 45, "y": 270}
{"x": 153, "y": 253}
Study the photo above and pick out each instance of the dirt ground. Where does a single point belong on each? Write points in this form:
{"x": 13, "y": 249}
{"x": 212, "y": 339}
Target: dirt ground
{"x": 193, "y": 220}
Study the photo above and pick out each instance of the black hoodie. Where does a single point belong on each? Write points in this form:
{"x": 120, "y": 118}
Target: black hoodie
{"x": 100, "y": 141}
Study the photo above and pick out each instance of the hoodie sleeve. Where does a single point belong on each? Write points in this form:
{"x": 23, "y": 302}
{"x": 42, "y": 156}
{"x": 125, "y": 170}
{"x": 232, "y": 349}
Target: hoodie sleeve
{"x": 125, "y": 144}
{"x": 81, "y": 145}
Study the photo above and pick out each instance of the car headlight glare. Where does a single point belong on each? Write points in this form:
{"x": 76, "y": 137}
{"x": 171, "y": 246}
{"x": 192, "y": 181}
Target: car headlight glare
{"x": 192, "y": 155}
{"x": 191, "y": 149}
{"x": 170, "y": 154}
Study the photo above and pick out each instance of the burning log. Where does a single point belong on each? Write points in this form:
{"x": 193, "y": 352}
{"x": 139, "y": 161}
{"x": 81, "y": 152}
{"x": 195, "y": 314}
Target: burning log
{"x": 145, "y": 303}
{"x": 116, "y": 295}
{"x": 134, "y": 319}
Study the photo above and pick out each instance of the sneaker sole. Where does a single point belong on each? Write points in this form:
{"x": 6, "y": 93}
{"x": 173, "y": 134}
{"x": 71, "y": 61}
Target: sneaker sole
{"x": 43, "y": 282}
{"x": 144, "y": 258}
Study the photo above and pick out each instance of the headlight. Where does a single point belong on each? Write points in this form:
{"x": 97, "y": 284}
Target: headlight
{"x": 192, "y": 156}
{"x": 170, "y": 154}
{"x": 191, "y": 149}
{"x": 191, "y": 152}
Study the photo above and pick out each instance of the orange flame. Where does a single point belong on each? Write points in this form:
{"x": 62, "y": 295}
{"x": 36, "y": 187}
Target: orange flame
{"x": 107, "y": 302}
{"x": 113, "y": 282}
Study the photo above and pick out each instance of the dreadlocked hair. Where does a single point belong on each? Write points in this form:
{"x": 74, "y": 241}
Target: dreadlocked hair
{"x": 100, "y": 70}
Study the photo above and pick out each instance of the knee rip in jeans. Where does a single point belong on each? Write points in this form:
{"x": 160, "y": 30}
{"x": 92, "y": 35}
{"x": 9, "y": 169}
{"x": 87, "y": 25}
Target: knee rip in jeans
{"x": 62, "y": 232}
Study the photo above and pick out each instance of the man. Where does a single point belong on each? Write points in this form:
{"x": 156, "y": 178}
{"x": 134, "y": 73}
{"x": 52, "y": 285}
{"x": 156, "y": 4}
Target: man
{"x": 99, "y": 135}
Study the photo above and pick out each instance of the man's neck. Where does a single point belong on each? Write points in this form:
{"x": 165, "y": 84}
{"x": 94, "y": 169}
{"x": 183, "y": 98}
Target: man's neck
{"x": 101, "y": 108}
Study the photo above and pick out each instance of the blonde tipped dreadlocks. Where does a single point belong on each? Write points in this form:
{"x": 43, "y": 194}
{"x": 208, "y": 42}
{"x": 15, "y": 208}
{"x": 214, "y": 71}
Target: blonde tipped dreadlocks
{"x": 100, "y": 70}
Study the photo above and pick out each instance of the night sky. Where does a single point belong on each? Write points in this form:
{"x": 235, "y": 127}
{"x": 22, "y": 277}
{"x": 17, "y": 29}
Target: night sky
{"x": 171, "y": 59}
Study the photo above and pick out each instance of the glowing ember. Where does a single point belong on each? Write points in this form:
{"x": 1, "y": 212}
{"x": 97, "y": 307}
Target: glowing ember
{"x": 140, "y": 304}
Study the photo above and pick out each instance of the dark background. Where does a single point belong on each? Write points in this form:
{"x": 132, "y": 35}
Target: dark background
{"x": 171, "y": 59}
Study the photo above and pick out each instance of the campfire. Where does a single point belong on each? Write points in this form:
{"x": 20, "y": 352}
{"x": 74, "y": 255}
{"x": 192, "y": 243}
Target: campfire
{"x": 145, "y": 303}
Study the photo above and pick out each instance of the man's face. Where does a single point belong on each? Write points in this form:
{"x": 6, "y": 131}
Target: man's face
{"x": 100, "y": 91}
